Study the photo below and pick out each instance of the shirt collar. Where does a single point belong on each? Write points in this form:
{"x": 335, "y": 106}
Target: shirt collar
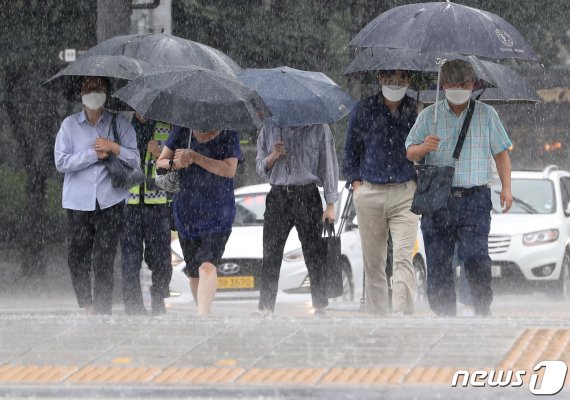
{"x": 105, "y": 117}
{"x": 448, "y": 109}
{"x": 405, "y": 108}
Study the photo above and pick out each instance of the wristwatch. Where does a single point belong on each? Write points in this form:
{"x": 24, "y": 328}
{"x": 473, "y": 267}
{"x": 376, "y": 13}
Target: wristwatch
{"x": 170, "y": 164}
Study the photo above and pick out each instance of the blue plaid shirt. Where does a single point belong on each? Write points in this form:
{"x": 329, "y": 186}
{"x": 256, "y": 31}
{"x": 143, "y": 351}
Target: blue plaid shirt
{"x": 486, "y": 138}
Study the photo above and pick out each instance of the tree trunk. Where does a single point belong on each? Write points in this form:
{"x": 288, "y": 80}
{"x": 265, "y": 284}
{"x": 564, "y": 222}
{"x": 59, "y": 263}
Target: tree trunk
{"x": 113, "y": 18}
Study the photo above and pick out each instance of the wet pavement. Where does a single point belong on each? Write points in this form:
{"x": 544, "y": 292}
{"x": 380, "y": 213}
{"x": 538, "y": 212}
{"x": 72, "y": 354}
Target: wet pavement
{"x": 49, "y": 349}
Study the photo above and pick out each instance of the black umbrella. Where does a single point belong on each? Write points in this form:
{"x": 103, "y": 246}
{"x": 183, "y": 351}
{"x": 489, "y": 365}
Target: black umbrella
{"x": 119, "y": 70}
{"x": 166, "y": 50}
{"x": 509, "y": 88}
{"x": 298, "y": 97}
{"x": 445, "y": 27}
{"x": 195, "y": 98}
{"x": 369, "y": 61}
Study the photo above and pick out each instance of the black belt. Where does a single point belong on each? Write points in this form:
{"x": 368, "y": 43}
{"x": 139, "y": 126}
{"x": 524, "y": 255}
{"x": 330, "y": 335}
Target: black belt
{"x": 292, "y": 188}
{"x": 462, "y": 192}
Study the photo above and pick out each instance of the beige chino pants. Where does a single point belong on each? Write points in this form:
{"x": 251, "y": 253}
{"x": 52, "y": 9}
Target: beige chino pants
{"x": 383, "y": 208}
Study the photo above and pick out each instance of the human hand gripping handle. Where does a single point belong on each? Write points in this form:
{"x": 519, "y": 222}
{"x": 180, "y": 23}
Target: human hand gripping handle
{"x": 328, "y": 215}
{"x": 277, "y": 152}
{"x": 104, "y": 147}
{"x": 431, "y": 143}
{"x": 183, "y": 158}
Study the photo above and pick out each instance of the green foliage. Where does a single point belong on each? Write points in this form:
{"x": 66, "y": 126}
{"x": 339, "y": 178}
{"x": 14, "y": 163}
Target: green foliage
{"x": 14, "y": 205}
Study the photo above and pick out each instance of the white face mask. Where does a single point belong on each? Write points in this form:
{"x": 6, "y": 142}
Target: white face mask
{"x": 394, "y": 92}
{"x": 457, "y": 96}
{"x": 94, "y": 100}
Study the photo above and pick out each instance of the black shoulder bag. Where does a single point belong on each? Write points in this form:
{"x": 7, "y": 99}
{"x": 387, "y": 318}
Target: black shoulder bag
{"x": 122, "y": 175}
{"x": 433, "y": 182}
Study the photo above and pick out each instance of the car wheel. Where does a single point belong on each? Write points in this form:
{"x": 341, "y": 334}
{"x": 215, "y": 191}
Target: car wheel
{"x": 347, "y": 282}
{"x": 420, "y": 274}
{"x": 562, "y": 287}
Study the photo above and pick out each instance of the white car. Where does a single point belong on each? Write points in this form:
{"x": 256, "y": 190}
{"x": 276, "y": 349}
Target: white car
{"x": 530, "y": 243}
{"x": 242, "y": 259}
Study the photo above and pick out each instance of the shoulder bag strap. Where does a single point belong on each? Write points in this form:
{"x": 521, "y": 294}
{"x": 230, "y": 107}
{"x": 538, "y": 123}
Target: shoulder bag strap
{"x": 464, "y": 130}
{"x": 114, "y": 128}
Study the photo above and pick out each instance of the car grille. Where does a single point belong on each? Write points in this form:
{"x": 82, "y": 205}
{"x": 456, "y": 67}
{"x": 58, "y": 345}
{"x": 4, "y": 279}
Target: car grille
{"x": 499, "y": 244}
{"x": 247, "y": 267}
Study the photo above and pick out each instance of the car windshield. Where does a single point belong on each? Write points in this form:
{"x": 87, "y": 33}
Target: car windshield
{"x": 251, "y": 206}
{"x": 530, "y": 196}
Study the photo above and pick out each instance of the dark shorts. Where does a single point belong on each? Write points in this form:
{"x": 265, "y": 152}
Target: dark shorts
{"x": 209, "y": 248}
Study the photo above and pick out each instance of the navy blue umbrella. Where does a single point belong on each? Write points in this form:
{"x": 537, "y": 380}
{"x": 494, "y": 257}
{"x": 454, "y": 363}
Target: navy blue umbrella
{"x": 445, "y": 27}
{"x": 298, "y": 97}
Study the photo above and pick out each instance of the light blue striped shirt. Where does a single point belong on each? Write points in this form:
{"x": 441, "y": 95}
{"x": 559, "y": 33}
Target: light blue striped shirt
{"x": 86, "y": 179}
{"x": 311, "y": 157}
{"x": 486, "y": 138}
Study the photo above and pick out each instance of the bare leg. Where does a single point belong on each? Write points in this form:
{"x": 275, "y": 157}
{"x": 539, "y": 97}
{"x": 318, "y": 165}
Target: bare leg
{"x": 207, "y": 288}
{"x": 194, "y": 288}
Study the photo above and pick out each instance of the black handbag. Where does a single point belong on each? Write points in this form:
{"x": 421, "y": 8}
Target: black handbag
{"x": 433, "y": 182}
{"x": 332, "y": 270}
{"x": 123, "y": 176}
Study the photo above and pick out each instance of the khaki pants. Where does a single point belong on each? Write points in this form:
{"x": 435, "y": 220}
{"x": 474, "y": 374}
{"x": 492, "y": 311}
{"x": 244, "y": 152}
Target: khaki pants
{"x": 383, "y": 208}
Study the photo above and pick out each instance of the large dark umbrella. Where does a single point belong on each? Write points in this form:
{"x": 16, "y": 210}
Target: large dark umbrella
{"x": 298, "y": 97}
{"x": 445, "y": 27}
{"x": 119, "y": 70}
{"x": 509, "y": 88}
{"x": 196, "y": 98}
{"x": 166, "y": 50}
{"x": 369, "y": 61}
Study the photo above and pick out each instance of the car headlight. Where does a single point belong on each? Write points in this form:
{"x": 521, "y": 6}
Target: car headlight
{"x": 540, "y": 237}
{"x": 294, "y": 255}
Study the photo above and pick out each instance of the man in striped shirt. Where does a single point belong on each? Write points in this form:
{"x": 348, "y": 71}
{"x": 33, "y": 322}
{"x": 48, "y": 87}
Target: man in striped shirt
{"x": 466, "y": 218}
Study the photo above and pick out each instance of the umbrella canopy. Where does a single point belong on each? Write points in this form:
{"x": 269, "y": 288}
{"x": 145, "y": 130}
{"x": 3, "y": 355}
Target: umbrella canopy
{"x": 119, "y": 70}
{"x": 298, "y": 97}
{"x": 510, "y": 87}
{"x": 374, "y": 59}
{"x": 166, "y": 50}
{"x": 195, "y": 98}
{"x": 445, "y": 27}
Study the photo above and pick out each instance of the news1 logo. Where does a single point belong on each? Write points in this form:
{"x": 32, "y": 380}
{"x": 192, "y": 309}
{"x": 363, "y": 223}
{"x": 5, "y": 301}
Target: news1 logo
{"x": 547, "y": 378}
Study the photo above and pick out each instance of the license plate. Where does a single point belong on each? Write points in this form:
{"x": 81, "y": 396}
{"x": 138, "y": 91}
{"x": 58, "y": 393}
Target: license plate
{"x": 236, "y": 282}
{"x": 496, "y": 271}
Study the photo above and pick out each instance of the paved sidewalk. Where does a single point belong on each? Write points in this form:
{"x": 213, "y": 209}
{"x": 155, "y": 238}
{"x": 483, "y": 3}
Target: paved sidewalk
{"x": 295, "y": 355}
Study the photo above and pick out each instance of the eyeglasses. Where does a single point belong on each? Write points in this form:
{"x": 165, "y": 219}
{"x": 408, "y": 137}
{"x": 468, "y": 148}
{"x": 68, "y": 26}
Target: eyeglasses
{"x": 394, "y": 80}
{"x": 458, "y": 84}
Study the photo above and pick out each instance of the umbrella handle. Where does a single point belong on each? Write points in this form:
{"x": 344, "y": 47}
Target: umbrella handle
{"x": 439, "y": 62}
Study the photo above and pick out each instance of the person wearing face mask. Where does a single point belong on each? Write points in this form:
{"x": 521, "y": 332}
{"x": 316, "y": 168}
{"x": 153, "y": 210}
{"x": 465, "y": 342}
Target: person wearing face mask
{"x": 383, "y": 181}
{"x": 466, "y": 218}
{"x": 94, "y": 207}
